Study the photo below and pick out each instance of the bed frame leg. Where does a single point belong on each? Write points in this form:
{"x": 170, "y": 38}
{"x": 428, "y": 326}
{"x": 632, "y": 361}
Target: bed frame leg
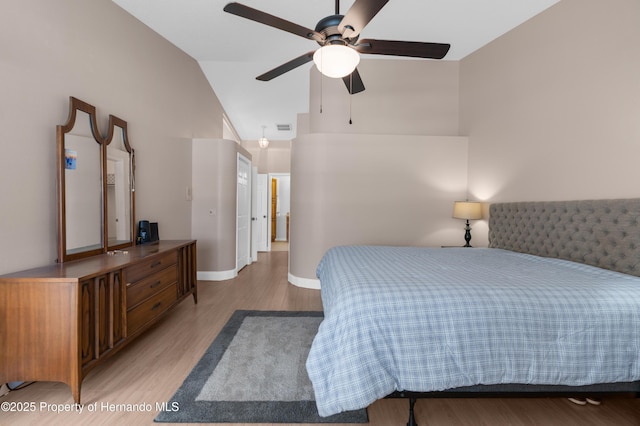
{"x": 412, "y": 419}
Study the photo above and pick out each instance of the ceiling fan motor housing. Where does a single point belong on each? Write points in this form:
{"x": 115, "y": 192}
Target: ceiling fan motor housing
{"x": 328, "y": 27}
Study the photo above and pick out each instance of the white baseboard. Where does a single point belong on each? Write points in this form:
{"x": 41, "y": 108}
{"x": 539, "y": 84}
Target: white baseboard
{"x": 216, "y": 275}
{"x": 304, "y": 282}
{"x": 227, "y": 275}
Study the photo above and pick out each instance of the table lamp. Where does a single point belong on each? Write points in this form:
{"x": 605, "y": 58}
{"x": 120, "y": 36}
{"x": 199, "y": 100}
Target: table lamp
{"x": 469, "y": 210}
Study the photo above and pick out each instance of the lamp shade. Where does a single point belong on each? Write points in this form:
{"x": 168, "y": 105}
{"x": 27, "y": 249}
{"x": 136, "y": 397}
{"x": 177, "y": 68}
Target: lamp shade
{"x": 336, "y": 60}
{"x": 469, "y": 210}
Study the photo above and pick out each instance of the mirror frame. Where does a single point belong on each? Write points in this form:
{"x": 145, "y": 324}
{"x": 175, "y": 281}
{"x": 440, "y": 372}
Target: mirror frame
{"x": 120, "y": 123}
{"x": 61, "y": 130}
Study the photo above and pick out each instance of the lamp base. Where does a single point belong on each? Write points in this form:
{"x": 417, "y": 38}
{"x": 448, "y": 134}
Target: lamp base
{"x": 467, "y": 235}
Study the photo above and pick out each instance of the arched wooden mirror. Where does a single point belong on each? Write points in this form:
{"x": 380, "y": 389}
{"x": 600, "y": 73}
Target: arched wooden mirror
{"x": 80, "y": 184}
{"x": 120, "y": 189}
{"x": 95, "y": 185}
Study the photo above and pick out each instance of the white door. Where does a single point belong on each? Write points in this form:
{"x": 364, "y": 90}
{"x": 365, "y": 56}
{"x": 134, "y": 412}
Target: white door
{"x": 243, "y": 209}
{"x": 262, "y": 210}
{"x": 254, "y": 214}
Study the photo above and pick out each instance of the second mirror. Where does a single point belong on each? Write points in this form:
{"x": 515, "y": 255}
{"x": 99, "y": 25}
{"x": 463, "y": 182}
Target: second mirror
{"x": 119, "y": 186}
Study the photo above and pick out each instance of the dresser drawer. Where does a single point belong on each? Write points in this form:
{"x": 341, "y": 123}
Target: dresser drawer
{"x": 147, "y": 287}
{"x": 151, "y": 308}
{"x": 149, "y": 266}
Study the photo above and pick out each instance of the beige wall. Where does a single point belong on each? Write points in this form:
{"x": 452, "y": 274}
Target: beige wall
{"x": 391, "y": 177}
{"x": 372, "y": 189}
{"x": 402, "y": 97}
{"x": 274, "y": 159}
{"x": 98, "y": 53}
{"x": 552, "y": 108}
{"x": 215, "y": 177}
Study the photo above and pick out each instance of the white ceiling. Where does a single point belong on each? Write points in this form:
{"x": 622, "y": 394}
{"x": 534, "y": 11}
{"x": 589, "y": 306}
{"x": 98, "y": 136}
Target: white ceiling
{"x": 232, "y": 51}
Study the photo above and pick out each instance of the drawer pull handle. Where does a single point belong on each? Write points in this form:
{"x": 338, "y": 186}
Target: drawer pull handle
{"x": 154, "y": 264}
{"x": 156, "y": 306}
{"x": 154, "y": 285}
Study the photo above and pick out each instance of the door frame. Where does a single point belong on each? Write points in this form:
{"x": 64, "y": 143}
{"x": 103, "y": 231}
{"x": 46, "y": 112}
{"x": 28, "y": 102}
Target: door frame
{"x": 242, "y": 158}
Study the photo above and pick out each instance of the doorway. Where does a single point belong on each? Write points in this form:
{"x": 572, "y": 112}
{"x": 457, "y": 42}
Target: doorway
{"x": 279, "y": 210}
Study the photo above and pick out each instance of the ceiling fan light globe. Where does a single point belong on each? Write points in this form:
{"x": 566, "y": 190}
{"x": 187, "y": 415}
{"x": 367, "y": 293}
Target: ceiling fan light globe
{"x": 336, "y": 61}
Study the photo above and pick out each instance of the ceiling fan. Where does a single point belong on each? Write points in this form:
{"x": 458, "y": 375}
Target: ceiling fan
{"x": 338, "y": 36}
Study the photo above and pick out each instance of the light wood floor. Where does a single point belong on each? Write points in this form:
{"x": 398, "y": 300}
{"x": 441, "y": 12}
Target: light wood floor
{"x": 280, "y": 246}
{"x": 151, "y": 369}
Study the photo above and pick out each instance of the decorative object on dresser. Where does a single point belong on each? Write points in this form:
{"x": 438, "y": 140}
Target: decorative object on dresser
{"x": 59, "y": 321}
{"x": 469, "y": 210}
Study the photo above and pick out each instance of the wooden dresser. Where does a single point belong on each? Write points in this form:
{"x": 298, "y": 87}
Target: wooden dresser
{"x": 59, "y": 321}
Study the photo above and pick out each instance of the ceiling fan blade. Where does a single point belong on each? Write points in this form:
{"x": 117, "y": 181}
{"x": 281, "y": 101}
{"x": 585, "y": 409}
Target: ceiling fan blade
{"x": 272, "y": 21}
{"x": 353, "y": 82}
{"x": 358, "y": 16}
{"x": 413, "y": 49}
{"x": 287, "y": 66}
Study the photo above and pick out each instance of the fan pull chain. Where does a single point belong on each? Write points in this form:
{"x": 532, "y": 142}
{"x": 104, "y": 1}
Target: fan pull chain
{"x": 350, "y": 95}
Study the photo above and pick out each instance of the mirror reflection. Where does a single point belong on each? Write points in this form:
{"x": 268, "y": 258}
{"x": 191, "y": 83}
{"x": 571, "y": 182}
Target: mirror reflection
{"x": 119, "y": 188}
{"x": 83, "y": 200}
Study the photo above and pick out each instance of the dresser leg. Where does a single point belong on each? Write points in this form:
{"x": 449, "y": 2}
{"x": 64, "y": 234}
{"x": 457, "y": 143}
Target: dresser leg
{"x": 75, "y": 391}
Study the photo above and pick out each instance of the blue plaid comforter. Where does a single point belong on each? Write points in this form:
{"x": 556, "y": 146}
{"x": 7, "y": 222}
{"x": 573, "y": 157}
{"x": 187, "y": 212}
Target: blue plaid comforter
{"x": 420, "y": 319}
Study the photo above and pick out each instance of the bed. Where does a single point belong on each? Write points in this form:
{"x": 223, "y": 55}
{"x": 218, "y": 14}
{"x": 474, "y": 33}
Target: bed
{"x": 553, "y": 306}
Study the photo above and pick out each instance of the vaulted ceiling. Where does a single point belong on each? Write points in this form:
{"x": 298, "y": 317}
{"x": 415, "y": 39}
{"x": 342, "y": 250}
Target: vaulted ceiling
{"x": 232, "y": 51}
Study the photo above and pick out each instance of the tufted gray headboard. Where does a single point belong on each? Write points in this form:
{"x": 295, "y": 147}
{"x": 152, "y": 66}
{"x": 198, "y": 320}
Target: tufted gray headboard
{"x": 603, "y": 233}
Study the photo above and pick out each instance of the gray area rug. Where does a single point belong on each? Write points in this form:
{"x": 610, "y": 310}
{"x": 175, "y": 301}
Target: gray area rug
{"x": 254, "y": 372}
